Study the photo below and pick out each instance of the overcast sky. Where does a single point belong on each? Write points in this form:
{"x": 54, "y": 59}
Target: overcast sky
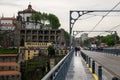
{"x": 61, "y": 9}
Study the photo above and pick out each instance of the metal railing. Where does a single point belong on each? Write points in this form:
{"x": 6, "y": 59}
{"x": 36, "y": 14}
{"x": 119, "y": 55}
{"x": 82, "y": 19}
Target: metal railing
{"x": 110, "y": 51}
{"x": 59, "y": 72}
{"x": 97, "y": 68}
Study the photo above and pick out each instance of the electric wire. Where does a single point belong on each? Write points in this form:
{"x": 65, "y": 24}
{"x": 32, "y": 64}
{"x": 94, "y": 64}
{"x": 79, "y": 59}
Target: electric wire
{"x": 111, "y": 29}
{"x": 104, "y": 17}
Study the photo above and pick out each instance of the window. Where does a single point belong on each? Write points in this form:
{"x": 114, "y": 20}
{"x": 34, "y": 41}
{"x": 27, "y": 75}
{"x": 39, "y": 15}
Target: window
{"x": 27, "y": 19}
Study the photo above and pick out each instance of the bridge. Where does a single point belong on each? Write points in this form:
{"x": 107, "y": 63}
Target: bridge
{"x": 101, "y": 64}
{"x": 87, "y": 65}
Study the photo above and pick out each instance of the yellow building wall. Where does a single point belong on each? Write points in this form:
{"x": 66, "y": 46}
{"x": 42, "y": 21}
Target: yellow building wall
{"x": 37, "y": 44}
{"x": 29, "y": 54}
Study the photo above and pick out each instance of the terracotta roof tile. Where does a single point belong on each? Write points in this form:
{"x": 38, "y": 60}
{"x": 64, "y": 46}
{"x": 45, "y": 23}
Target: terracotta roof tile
{"x": 9, "y": 64}
{"x": 28, "y": 10}
{"x": 10, "y": 73}
{"x": 8, "y": 54}
{"x": 8, "y": 25}
{"x": 8, "y": 18}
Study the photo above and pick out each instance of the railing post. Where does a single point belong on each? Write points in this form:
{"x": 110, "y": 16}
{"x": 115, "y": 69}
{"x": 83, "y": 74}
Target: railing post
{"x": 89, "y": 62}
{"x": 99, "y": 72}
{"x": 93, "y": 66}
{"x": 114, "y": 78}
{"x": 87, "y": 59}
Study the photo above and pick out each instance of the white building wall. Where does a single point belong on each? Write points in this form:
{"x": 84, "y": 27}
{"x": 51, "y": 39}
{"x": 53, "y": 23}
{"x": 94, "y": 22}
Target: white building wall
{"x": 29, "y": 25}
{"x": 7, "y": 28}
{"x": 25, "y": 15}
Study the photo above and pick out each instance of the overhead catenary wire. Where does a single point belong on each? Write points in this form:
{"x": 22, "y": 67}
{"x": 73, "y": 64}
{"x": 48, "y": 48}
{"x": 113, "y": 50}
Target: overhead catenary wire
{"x": 111, "y": 28}
{"x": 87, "y": 17}
{"x": 104, "y": 17}
{"x": 115, "y": 27}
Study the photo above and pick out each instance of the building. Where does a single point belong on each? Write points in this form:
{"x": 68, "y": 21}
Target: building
{"x": 28, "y": 31}
{"x": 7, "y": 23}
{"x": 84, "y": 36}
{"x": 25, "y": 17}
{"x": 43, "y": 35}
{"x": 7, "y": 27}
{"x": 33, "y": 49}
{"x": 9, "y": 67}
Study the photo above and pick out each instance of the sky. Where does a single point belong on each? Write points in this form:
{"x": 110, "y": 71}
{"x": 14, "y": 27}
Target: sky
{"x": 61, "y": 9}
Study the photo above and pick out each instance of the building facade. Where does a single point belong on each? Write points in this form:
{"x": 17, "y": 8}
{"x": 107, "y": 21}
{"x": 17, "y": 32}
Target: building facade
{"x": 7, "y": 27}
{"x": 43, "y": 35}
{"x": 33, "y": 49}
{"x": 7, "y": 23}
{"x": 28, "y": 31}
{"x": 9, "y": 67}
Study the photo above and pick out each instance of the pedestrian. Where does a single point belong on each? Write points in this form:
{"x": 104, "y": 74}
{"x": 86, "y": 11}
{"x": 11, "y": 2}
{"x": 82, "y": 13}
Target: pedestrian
{"x": 76, "y": 51}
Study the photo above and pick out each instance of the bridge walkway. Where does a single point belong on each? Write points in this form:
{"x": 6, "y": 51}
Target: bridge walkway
{"x": 78, "y": 70}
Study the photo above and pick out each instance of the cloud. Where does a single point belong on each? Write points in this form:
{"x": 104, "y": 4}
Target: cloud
{"x": 9, "y": 4}
{"x": 61, "y": 9}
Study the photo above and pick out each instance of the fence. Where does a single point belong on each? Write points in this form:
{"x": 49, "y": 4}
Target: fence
{"x": 97, "y": 69}
{"x": 59, "y": 72}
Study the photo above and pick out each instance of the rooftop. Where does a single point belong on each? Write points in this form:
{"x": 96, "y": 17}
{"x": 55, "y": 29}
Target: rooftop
{"x": 28, "y": 10}
{"x": 9, "y": 64}
{"x": 7, "y": 18}
{"x": 8, "y": 25}
{"x": 10, "y": 73}
{"x": 9, "y": 55}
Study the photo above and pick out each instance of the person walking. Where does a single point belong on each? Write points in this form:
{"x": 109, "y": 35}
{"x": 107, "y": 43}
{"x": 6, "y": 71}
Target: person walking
{"x": 76, "y": 51}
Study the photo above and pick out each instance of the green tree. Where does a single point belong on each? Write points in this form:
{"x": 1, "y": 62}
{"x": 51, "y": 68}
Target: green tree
{"x": 41, "y": 18}
{"x": 110, "y": 40}
{"x": 51, "y": 50}
{"x": 67, "y": 36}
{"x": 54, "y": 21}
{"x": 36, "y": 17}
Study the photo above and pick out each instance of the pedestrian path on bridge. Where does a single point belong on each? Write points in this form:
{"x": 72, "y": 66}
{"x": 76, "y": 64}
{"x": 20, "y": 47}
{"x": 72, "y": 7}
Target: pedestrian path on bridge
{"x": 78, "y": 69}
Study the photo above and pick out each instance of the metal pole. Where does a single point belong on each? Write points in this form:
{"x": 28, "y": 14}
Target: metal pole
{"x": 114, "y": 78}
{"x": 70, "y": 29}
{"x": 99, "y": 72}
{"x": 115, "y": 35}
{"x": 93, "y": 66}
{"x": 89, "y": 61}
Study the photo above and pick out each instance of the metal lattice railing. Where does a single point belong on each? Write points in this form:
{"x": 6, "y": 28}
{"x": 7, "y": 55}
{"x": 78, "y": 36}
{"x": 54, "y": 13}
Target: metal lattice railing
{"x": 59, "y": 72}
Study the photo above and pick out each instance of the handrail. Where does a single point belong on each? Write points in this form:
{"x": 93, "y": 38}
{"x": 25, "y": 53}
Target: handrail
{"x": 61, "y": 66}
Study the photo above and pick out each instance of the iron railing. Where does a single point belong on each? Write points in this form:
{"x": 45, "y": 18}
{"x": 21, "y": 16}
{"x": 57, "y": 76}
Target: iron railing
{"x": 59, "y": 72}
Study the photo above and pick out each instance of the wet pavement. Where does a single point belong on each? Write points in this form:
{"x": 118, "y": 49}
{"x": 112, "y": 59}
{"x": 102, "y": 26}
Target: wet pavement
{"x": 78, "y": 70}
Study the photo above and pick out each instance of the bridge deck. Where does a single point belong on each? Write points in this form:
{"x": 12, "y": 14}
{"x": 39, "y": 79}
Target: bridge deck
{"x": 78, "y": 70}
{"x": 110, "y": 62}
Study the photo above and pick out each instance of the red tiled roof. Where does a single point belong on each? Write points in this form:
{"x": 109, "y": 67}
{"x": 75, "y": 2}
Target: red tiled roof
{"x": 8, "y": 25}
{"x": 9, "y": 64}
{"x": 8, "y": 55}
{"x": 10, "y": 73}
{"x": 7, "y": 18}
{"x": 28, "y": 10}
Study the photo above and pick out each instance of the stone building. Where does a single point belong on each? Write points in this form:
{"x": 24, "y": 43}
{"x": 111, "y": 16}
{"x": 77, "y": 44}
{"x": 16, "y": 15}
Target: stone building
{"x": 27, "y": 31}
